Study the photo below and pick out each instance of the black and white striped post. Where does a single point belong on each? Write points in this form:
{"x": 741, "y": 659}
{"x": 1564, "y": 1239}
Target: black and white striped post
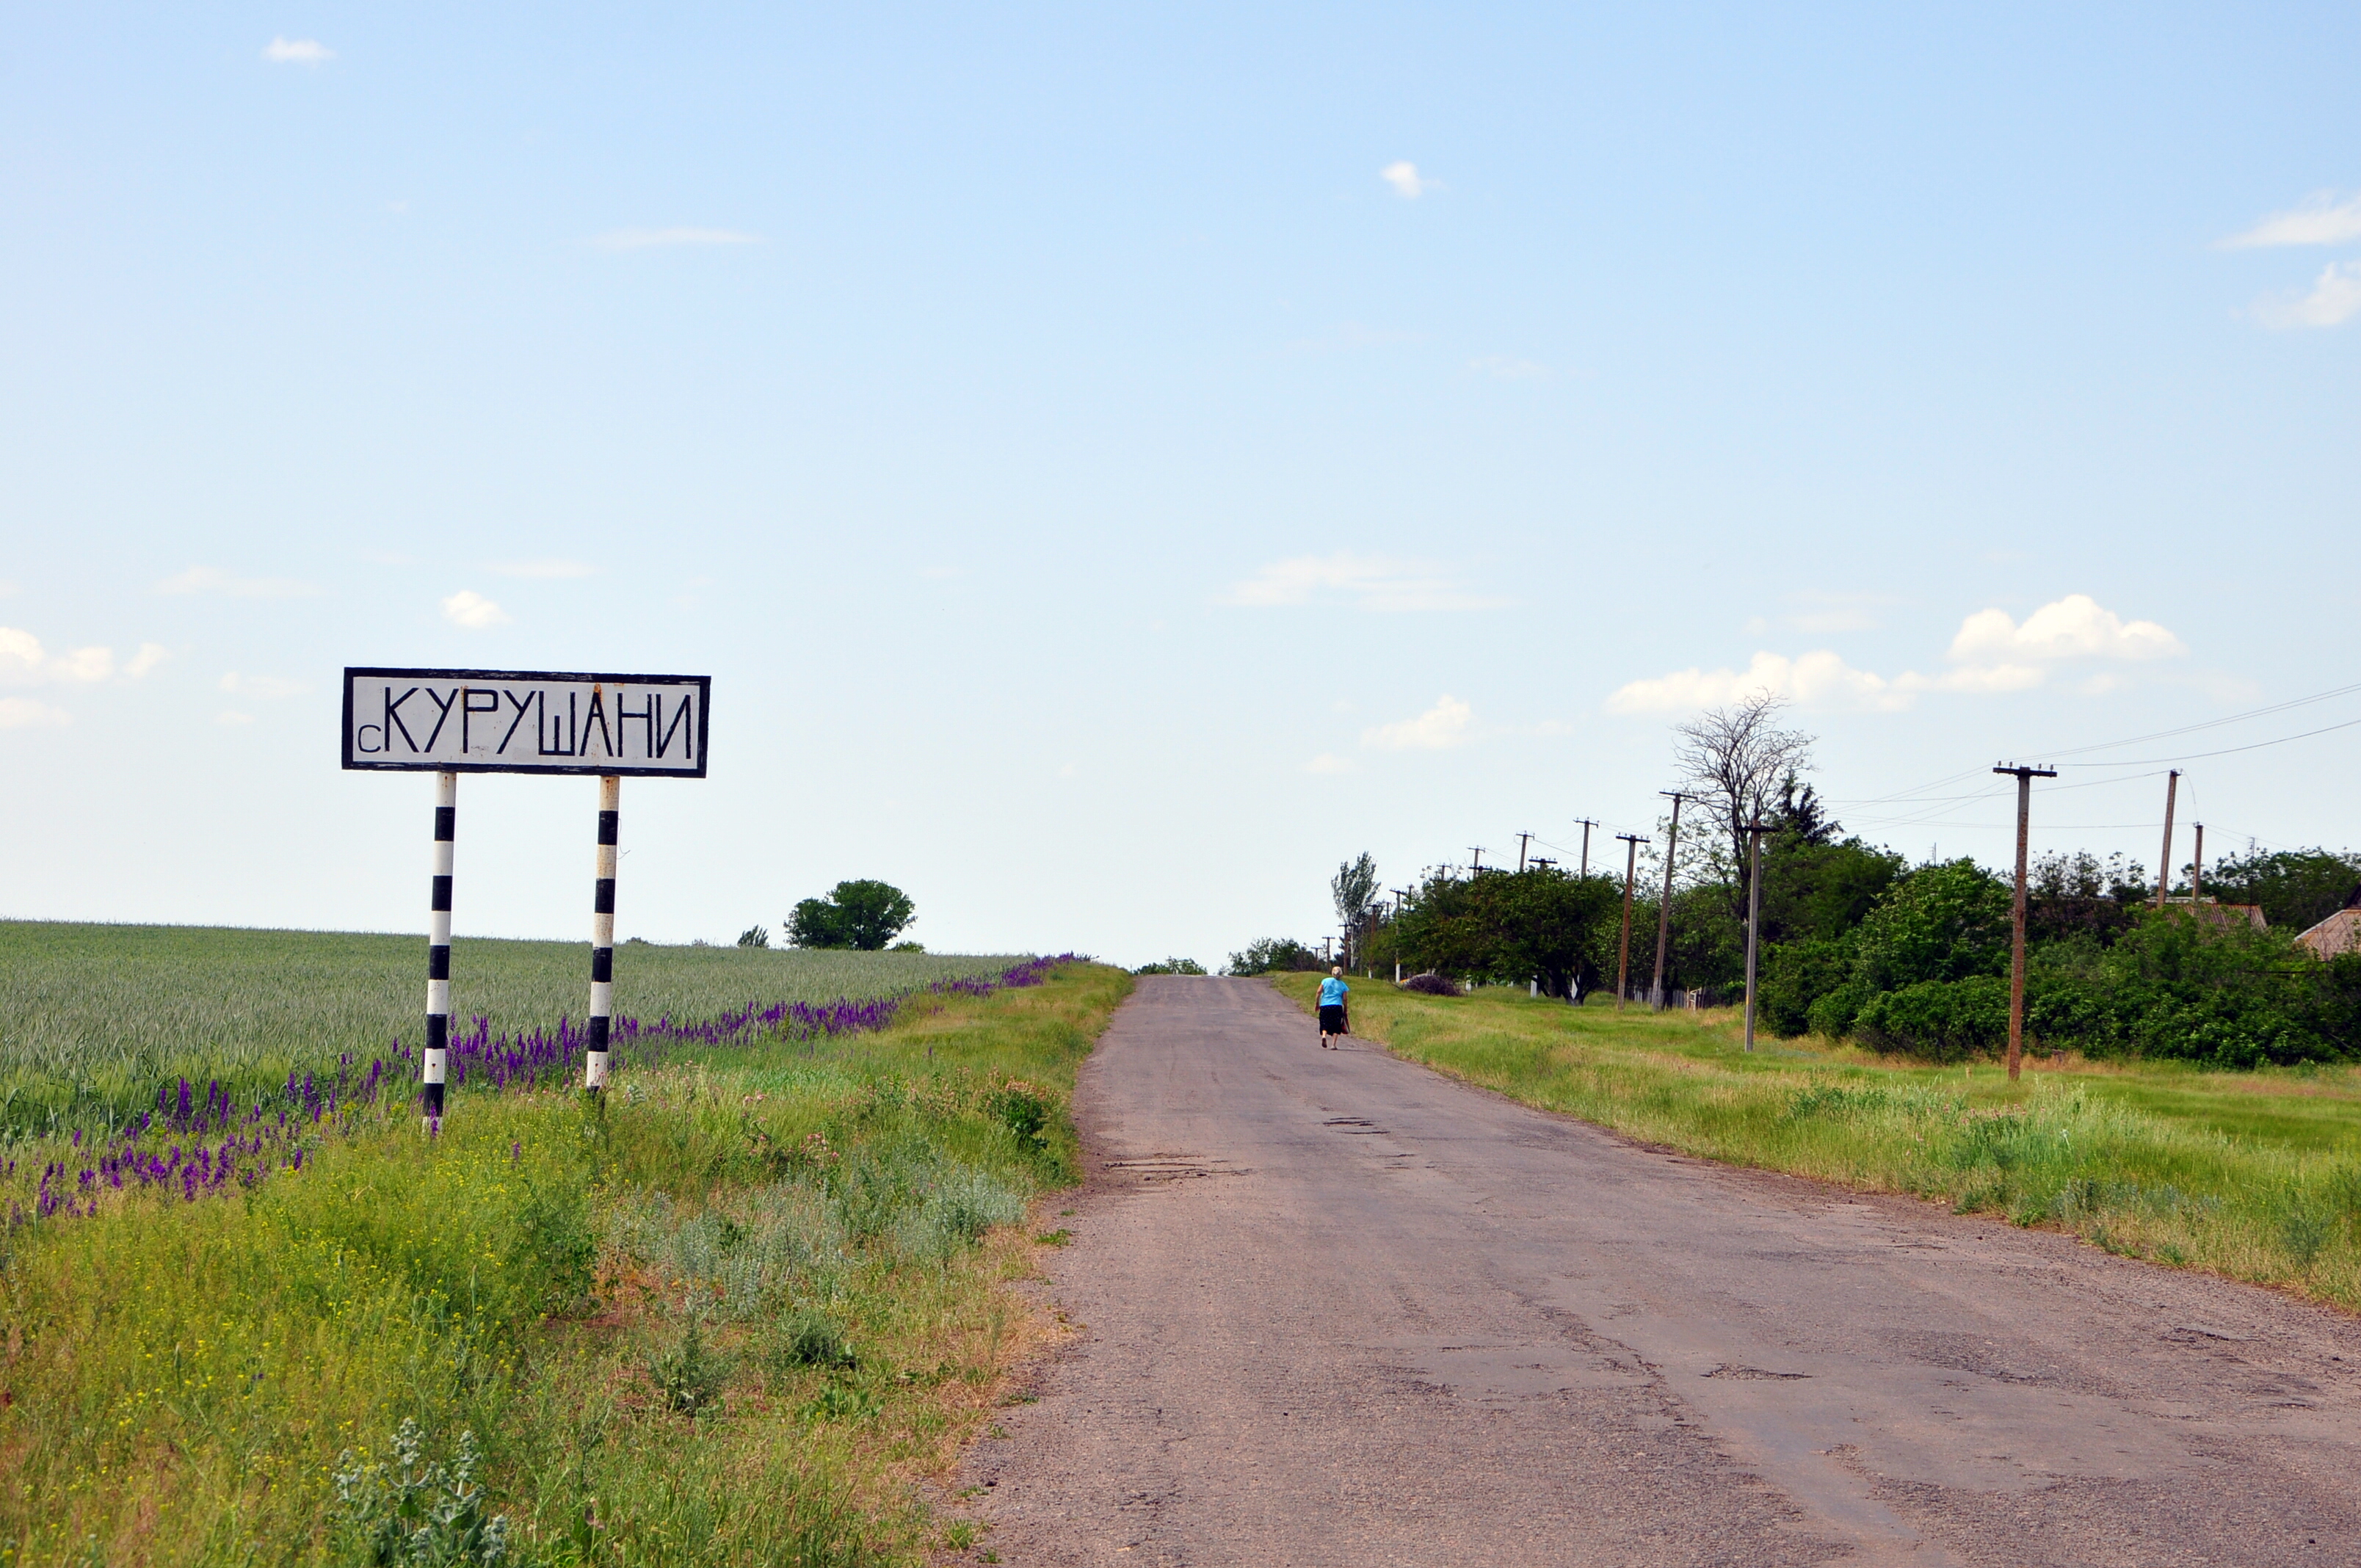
{"x": 437, "y": 1061}
{"x": 602, "y": 936}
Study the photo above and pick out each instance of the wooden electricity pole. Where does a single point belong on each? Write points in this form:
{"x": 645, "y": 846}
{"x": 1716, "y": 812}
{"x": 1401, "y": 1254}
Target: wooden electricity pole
{"x": 2197, "y": 868}
{"x": 1755, "y": 832}
{"x": 2024, "y": 777}
{"x": 2164, "y": 872}
{"x": 1522, "y": 840}
{"x": 1586, "y": 826}
{"x": 1656, "y": 997}
{"x": 1623, "y": 950}
{"x": 1476, "y": 850}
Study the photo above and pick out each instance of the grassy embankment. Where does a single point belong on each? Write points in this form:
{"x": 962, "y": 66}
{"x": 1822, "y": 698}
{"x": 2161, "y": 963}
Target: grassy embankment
{"x": 731, "y": 1320}
{"x": 2255, "y": 1175}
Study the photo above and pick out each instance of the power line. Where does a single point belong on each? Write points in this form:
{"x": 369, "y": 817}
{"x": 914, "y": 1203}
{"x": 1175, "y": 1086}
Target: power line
{"x": 2225, "y": 752}
{"x": 1918, "y": 791}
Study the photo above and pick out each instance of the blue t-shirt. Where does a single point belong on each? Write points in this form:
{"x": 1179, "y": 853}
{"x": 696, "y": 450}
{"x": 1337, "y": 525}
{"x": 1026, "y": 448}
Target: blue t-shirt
{"x": 1331, "y": 991}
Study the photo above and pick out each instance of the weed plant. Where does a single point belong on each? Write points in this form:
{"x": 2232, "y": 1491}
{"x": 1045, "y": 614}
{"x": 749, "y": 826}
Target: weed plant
{"x": 2255, "y": 1176}
{"x": 729, "y": 1316}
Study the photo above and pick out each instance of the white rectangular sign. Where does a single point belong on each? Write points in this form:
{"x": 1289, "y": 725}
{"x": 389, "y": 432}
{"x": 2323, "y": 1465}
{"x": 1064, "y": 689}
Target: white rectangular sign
{"x": 525, "y": 721}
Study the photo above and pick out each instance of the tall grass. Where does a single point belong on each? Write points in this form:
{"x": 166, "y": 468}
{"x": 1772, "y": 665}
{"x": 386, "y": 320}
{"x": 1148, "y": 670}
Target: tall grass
{"x": 728, "y": 1317}
{"x": 2156, "y": 1161}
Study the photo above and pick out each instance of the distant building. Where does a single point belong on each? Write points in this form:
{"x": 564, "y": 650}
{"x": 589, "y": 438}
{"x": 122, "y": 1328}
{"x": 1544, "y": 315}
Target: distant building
{"x": 2340, "y": 933}
{"x": 2224, "y": 915}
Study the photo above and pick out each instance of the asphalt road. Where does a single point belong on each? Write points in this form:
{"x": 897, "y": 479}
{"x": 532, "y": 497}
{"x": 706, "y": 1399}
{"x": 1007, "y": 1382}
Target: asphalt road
{"x": 1336, "y": 1309}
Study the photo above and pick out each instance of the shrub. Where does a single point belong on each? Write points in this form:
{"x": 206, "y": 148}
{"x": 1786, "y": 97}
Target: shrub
{"x": 1937, "y": 1018}
{"x": 1832, "y": 1014}
{"x": 554, "y": 1248}
{"x": 1797, "y": 974}
{"x": 1023, "y": 1108}
{"x": 1172, "y": 966}
{"x": 1943, "y": 922}
{"x": 1431, "y": 985}
{"x": 411, "y": 1512}
{"x": 810, "y": 1338}
{"x": 690, "y": 1376}
{"x": 963, "y": 1203}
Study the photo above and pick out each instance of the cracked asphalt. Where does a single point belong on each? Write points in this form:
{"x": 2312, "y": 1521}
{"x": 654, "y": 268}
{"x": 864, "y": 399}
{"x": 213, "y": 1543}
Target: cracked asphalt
{"x": 1333, "y": 1309}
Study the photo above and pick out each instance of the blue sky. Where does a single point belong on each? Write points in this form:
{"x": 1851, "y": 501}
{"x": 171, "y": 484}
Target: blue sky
{"x": 1117, "y": 465}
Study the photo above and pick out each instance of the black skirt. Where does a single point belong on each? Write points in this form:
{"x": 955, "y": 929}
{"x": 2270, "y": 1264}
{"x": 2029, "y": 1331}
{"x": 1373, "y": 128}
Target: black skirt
{"x": 1332, "y": 1021}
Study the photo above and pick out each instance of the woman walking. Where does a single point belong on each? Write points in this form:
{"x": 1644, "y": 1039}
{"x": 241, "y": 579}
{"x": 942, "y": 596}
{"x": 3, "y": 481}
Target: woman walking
{"x": 1333, "y": 1021}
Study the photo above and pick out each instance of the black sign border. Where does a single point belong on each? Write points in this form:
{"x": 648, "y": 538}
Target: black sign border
{"x": 704, "y": 685}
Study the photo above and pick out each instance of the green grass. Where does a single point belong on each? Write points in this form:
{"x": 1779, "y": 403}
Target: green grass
{"x": 94, "y": 1018}
{"x": 730, "y": 1318}
{"x": 2255, "y": 1175}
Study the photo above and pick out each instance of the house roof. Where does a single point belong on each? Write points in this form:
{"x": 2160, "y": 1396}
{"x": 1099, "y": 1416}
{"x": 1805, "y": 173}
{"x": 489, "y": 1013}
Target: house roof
{"x": 2340, "y": 933}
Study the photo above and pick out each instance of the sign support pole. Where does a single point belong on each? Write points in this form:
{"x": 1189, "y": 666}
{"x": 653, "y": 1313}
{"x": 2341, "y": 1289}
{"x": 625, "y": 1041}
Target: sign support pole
{"x": 602, "y": 936}
{"x": 437, "y": 1061}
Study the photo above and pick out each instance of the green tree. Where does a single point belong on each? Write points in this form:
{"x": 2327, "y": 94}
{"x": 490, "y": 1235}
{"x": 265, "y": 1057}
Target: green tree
{"x": 1272, "y": 955}
{"x": 2296, "y": 887}
{"x": 1508, "y": 927}
{"x": 862, "y": 916}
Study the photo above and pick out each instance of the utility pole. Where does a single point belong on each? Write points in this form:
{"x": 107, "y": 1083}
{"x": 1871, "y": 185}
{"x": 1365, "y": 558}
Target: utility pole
{"x": 2024, "y": 777}
{"x": 1522, "y": 840}
{"x": 2164, "y": 872}
{"x": 2197, "y": 868}
{"x": 1623, "y": 950}
{"x": 1477, "y": 864}
{"x": 1586, "y": 826}
{"x": 1755, "y": 832}
{"x": 1664, "y": 910}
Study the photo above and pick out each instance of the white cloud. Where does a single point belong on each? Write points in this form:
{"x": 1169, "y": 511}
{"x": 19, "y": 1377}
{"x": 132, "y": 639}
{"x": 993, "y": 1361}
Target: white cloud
{"x": 2335, "y": 299}
{"x": 23, "y": 712}
{"x": 1369, "y": 582}
{"x": 545, "y": 567}
{"x": 1992, "y": 652}
{"x": 2319, "y": 219}
{"x": 1508, "y": 367}
{"x": 297, "y": 51}
{"x": 1449, "y": 723}
{"x": 1820, "y": 678}
{"x": 214, "y": 580}
{"x": 23, "y": 661}
{"x": 2075, "y": 627}
{"x": 263, "y": 687}
{"x": 1327, "y": 763}
{"x": 1405, "y": 180}
{"x": 649, "y": 239}
{"x": 473, "y": 610}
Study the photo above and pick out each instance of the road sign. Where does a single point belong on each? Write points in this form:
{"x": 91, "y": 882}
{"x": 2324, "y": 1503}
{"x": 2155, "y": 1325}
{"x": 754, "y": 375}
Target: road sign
{"x": 449, "y": 722}
{"x": 525, "y": 721}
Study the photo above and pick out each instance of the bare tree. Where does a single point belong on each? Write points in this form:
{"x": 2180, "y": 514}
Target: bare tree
{"x": 1732, "y": 761}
